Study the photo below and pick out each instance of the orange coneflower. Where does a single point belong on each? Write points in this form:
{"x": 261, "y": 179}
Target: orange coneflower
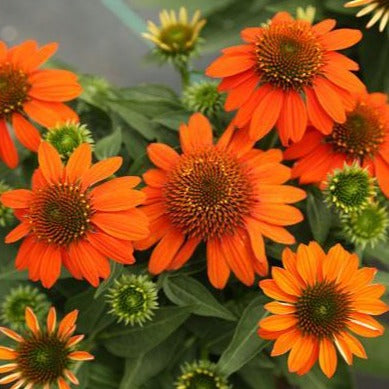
{"x": 43, "y": 357}
{"x": 29, "y": 92}
{"x": 64, "y": 219}
{"x": 287, "y": 73}
{"x": 227, "y": 195}
{"x": 321, "y": 299}
{"x": 363, "y": 138}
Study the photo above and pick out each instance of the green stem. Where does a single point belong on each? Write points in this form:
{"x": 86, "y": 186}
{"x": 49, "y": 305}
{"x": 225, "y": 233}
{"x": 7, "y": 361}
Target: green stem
{"x": 183, "y": 69}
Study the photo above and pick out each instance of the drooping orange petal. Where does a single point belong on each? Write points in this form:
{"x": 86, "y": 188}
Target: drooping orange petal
{"x": 8, "y": 367}
{"x": 79, "y": 162}
{"x": 329, "y": 100}
{"x": 256, "y": 239}
{"x": 196, "y": 135}
{"x": 343, "y": 348}
{"x": 184, "y": 253}
{"x": 62, "y": 384}
{"x": 71, "y": 377}
{"x": 382, "y": 174}
{"x": 317, "y": 114}
{"x": 26, "y": 133}
{"x": 343, "y": 78}
{"x": 217, "y": 268}
{"x": 327, "y": 357}
{"x": 100, "y": 171}
{"x": 10, "y": 378}
{"x": 266, "y": 113}
{"x": 280, "y": 308}
{"x": 241, "y": 93}
{"x": 301, "y": 352}
{"x": 162, "y": 155}
{"x": 353, "y": 344}
{"x": 341, "y": 60}
{"x": 117, "y": 249}
{"x": 165, "y": 251}
{"x": 276, "y": 233}
{"x": 50, "y": 162}
{"x": 292, "y": 121}
{"x": 18, "y": 232}
{"x": 8, "y": 151}
{"x": 364, "y": 325}
{"x": 50, "y": 266}
{"x": 370, "y": 306}
{"x": 285, "y": 342}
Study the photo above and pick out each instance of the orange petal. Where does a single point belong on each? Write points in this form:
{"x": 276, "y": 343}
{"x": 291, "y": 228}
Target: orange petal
{"x": 79, "y": 162}
{"x": 7, "y": 353}
{"x": 11, "y": 334}
{"x": 67, "y": 322}
{"x": 271, "y": 289}
{"x": 8, "y": 367}
{"x": 280, "y": 308}
{"x": 165, "y": 251}
{"x": 74, "y": 340}
{"x": 50, "y": 162}
{"x": 301, "y": 352}
{"x": 343, "y": 78}
{"x": 327, "y": 357}
{"x": 100, "y": 171}
{"x": 18, "y": 198}
{"x": 117, "y": 249}
{"x": 329, "y": 100}
{"x": 276, "y": 233}
{"x": 81, "y": 356}
{"x": 162, "y": 155}
{"x": 184, "y": 254}
{"x": 217, "y": 268}
{"x": 354, "y": 345}
{"x": 364, "y": 325}
{"x": 285, "y": 342}
{"x": 307, "y": 264}
{"x": 324, "y": 26}
{"x": 266, "y": 113}
{"x": 286, "y": 281}
{"x": 51, "y": 320}
{"x": 341, "y": 39}
{"x": 278, "y": 214}
{"x": 26, "y": 133}
{"x": 127, "y": 225}
{"x": 41, "y": 56}
{"x": 18, "y": 232}
{"x": 32, "y": 321}
{"x": 197, "y": 134}
{"x": 343, "y": 348}
{"x": 50, "y": 267}
{"x": 280, "y": 194}
{"x": 72, "y": 378}
{"x": 155, "y": 177}
{"x": 229, "y": 65}
{"x": 62, "y": 384}
{"x": 10, "y": 378}
{"x": 278, "y": 322}
{"x": 292, "y": 121}
{"x": 370, "y": 306}
{"x": 8, "y": 151}
{"x": 256, "y": 239}
{"x": 116, "y": 195}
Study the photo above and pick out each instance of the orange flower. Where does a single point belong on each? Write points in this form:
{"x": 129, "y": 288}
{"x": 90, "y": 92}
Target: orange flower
{"x": 287, "y": 73}
{"x": 65, "y": 220}
{"x": 321, "y": 299}
{"x": 28, "y": 92}
{"x": 364, "y": 138}
{"x": 227, "y": 195}
{"x": 42, "y": 358}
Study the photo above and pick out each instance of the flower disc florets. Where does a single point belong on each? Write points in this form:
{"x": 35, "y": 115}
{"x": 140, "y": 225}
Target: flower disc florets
{"x": 66, "y": 137}
{"x": 350, "y": 189}
{"x": 368, "y": 227}
{"x": 201, "y": 375}
{"x": 16, "y": 302}
{"x": 133, "y": 299}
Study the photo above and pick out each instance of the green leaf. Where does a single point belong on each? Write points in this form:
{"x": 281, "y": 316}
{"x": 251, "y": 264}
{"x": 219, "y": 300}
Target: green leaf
{"x": 143, "y": 367}
{"x": 173, "y": 119}
{"x": 377, "y": 356}
{"x": 246, "y": 343}
{"x": 185, "y": 290}
{"x": 110, "y": 145}
{"x": 126, "y": 341}
{"x": 116, "y": 271}
{"x": 134, "y": 119}
{"x": 319, "y": 216}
